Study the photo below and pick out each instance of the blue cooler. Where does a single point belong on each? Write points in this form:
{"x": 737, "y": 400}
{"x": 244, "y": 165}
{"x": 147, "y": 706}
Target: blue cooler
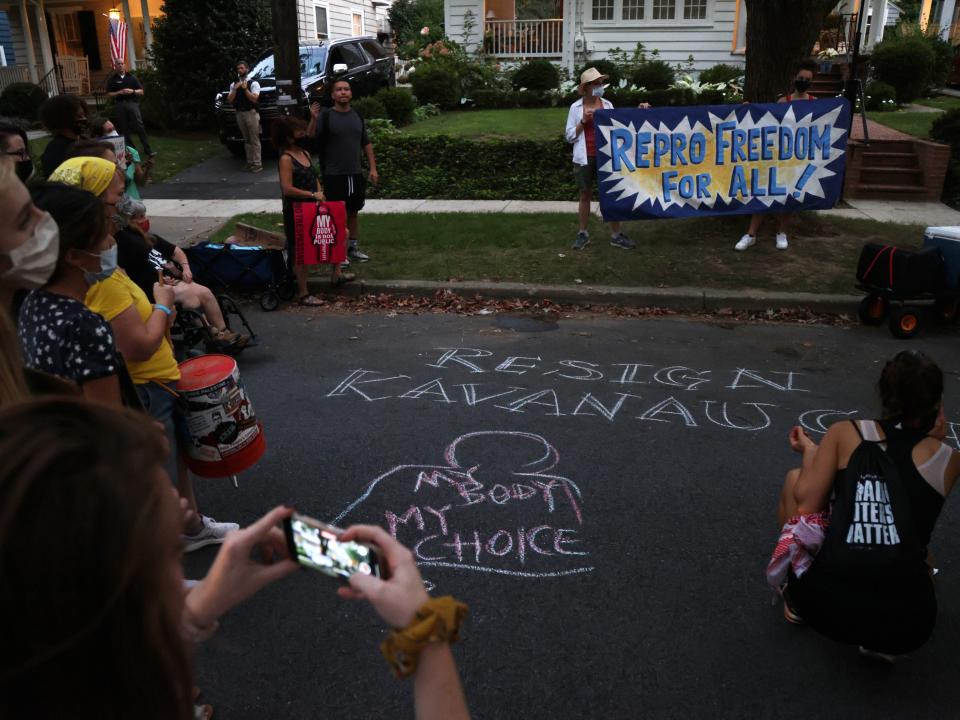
{"x": 948, "y": 240}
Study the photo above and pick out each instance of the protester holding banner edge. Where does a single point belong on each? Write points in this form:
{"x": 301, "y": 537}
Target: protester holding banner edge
{"x": 801, "y": 83}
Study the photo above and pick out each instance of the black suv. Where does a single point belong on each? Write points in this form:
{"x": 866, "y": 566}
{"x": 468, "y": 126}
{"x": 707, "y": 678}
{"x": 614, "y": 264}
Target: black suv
{"x": 369, "y": 68}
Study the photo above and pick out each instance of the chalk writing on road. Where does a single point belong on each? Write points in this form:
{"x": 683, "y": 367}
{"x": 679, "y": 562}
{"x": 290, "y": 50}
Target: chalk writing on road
{"x": 495, "y": 504}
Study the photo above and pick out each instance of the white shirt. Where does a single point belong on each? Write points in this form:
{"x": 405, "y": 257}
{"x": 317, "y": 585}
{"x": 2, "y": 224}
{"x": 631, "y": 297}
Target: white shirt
{"x": 253, "y": 86}
{"x": 573, "y": 119}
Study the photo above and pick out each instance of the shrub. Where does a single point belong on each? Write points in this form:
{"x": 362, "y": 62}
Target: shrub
{"x": 946, "y": 129}
{"x": 654, "y": 75}
{"x": 399, "y": 104}
{"x": 437, "y": 83}
{"x": 943, "y": 53}
{"x": 427, "y": 110}
{"x": 156, "y": 107}
{"x": 495, "y": 99}
{"x": 408, "y": 17}
{"x": 22, "y": 100}
{"x": 530, "y": 99}
{"x": 721, "y": 73}
{"x": 537, "y": 75}
{"x": 881, "y": 96}
{"x": 905, "y": 63}
{"x": 607, "y": 67}
{"x": 369, "y": 108}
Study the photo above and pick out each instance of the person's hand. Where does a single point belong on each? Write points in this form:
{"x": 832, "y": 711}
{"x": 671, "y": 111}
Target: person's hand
{"x": 319, "y": 196}
{"x": 374, "y": 176}
{"x": 128, "y": 91}
{"x": 799, "y": 440}
{"x": 163, "y": 295}
{"x": 587, "y": 115}
{"x": 939, "y": 430}
{"x": 315, "y": 110}
{"x": 397, "y": 598}
{"x": 185, "y": 274}
{"x": 235, "y": 574}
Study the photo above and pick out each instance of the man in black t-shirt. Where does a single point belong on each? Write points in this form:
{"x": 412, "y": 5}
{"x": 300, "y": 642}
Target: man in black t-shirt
{"x": 126, "y": 92}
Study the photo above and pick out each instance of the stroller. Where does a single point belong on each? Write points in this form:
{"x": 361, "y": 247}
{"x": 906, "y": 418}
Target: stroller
{"x": 245, "y": 268}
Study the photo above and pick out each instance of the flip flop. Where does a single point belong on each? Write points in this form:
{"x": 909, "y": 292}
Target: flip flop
{"x": 310, "y": 301}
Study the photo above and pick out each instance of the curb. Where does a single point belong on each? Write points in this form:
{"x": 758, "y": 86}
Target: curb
{"x": 679, "y": 298}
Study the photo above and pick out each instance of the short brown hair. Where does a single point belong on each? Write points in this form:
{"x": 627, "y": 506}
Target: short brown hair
{"x": 85, "y": 572}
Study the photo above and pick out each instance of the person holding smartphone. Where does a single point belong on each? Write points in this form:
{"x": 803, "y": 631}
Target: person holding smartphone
{"x": 245, "y": 97}
{"x": 111, "y": 544}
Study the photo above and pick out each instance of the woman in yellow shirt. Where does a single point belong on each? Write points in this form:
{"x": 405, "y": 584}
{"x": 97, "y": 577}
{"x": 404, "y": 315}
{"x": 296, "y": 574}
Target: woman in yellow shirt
{"x": 141, "y": 329}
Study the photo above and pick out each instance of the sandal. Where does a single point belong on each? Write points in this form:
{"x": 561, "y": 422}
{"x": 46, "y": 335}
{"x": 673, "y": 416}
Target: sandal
{"x": 310, "y": 301}
{"x": 343, "y": 277}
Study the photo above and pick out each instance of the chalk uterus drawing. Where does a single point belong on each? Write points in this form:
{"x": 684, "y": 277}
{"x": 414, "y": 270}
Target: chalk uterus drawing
{"x": 494, "y": 506}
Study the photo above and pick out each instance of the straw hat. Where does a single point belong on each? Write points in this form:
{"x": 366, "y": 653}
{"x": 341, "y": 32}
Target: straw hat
{"x": 590, "y": 75}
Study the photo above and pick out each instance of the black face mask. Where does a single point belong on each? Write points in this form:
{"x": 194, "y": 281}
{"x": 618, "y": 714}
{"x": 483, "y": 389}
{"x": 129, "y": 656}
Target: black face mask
{"x": 302, "y": 143}
{"x": 24, "y": 169}
{"x": 801, "y": 85}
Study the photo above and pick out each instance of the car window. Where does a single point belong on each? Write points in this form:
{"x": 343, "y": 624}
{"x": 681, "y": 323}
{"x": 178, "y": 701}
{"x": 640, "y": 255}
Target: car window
{"x": 374, "y": 49}
{"x": 312, "y": 60}
{"x": 263, "y": 69}
{"x": 349, "y": 54}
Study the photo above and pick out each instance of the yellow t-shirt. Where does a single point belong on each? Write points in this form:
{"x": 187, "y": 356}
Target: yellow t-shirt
{"x": 111, "y": 297}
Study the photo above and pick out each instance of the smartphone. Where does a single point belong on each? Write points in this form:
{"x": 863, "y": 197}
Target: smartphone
{"x": 316, "y": 545}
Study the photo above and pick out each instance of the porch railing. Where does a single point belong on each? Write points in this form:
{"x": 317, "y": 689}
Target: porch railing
{"x": 524, "y": 38}
{"x": 841, "y": 37}
{"x": 13, "y": 74}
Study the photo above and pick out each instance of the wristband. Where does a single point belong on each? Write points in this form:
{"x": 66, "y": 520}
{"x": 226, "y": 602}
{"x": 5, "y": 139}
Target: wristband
{"x": 438, "y": 620}
{"x": 164, "y": 308}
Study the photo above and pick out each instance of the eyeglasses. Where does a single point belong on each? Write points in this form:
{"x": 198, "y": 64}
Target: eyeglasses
{"x": 19, "y": 154}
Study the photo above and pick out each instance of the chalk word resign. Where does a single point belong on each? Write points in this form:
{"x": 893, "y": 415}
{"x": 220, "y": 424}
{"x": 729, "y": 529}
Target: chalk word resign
{"x": 464, "y": 515}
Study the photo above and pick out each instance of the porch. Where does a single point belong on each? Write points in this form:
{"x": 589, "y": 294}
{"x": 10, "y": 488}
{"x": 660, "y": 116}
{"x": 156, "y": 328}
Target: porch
{"x": 66, "y": 48}
{"x": 524, "y": 28}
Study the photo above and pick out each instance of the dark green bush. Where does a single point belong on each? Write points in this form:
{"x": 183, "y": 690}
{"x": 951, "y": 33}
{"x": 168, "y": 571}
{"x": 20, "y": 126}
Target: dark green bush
{"x": 438, "y": 166}
{"x": 654, "y": 75}
{"x": 623, "y": 97}
{"x": 529, "y": 99}
{"x": 22, "y": 100}
{"x": 369, "y": 108}
{"x": 721, "y": 73}
{"x": 946, "y": 129}
{"x": 607, "y": 67}
{"x": 943, "y": 53}
{"x": 495, "y": 99}
{"x": 399, "y": 104}
{"x": 437, "y": 83}
{"x": 905, "y": 63}
{"x": 537, "y": 75}
{"x": 881, "y": 96}
{"x": 159, "y": 112}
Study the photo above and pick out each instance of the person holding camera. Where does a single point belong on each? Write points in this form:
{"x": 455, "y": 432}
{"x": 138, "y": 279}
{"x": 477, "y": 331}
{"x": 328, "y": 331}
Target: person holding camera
{"x": 245, "y": 98}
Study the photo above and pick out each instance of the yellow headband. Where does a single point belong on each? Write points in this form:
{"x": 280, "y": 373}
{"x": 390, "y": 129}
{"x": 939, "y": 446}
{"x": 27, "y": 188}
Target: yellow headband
{"x": 92, "y": 174}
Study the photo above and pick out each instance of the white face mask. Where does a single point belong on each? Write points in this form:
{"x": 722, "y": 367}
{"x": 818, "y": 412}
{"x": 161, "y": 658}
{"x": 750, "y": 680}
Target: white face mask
{"x": 33, "y": 263}
{"x": 598, "y": 91}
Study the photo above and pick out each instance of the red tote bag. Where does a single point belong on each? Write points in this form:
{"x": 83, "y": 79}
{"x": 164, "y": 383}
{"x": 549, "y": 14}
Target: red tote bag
{"x": 320, "y": 229}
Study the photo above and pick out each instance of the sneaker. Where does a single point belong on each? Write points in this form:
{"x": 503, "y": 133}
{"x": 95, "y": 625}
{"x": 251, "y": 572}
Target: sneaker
{"x": 355, "y": 253}
{"x": 582, "y": 240}
{"x": 622, "y": 241}
{"x": 212, "y": 533}
{"x": 256, "y": 168}
{"x": 745, "y": 242}
{"x": 782, "y": 243}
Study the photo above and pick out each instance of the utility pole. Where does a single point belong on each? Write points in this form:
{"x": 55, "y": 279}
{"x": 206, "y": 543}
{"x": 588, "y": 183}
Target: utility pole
{"x": 286, "y": 40}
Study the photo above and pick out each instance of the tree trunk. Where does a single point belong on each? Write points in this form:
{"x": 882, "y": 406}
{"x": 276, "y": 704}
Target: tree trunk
{"x": 780, "y": 33}
{"x": 286, "y": 38}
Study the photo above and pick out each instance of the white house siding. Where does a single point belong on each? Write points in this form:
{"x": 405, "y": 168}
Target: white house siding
{"x": 709, "y": 41}
{"x": 453, "y": 15}
{"x": 339, "y": 18}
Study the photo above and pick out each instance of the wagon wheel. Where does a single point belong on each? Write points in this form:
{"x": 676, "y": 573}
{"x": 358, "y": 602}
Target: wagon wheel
{"x": 905, "y": 322}
{"x": 873, "y": 309}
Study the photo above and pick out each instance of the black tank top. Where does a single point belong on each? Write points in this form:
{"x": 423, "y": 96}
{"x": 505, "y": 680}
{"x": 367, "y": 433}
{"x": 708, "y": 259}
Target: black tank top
{"x": 304, "y": 176}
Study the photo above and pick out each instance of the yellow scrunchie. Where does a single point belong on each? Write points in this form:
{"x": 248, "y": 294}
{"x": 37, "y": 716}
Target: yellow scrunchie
{"x": 92, "y": 174}
{"x": 438, "y": 620}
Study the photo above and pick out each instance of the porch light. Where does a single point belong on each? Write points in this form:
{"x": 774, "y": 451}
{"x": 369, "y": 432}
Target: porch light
{"x": 491, "y": 14}
{"x": 114, "y": 14}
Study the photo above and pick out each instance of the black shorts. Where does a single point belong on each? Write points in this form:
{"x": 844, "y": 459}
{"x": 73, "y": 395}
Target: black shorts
{"x": 349, "y": 188}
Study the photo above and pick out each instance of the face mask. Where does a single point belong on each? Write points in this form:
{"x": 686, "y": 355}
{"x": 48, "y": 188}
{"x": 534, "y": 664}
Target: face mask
{"x": 24, "y": 170}
{"x": 302, "y": 142}
{"x": 108, "y": 264}
{"x": 144, "y": 224}
{"x": 598, "y": 91}
{"x": 33, "y": 263}
{"x": 801, "y": 85}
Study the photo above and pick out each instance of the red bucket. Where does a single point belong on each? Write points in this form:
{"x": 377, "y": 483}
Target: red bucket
{"x": 225, "y": 437}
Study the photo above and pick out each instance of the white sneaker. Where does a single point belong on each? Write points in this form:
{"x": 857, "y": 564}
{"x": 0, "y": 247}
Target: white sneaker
{"x": 745, "y": 242}
{"x": 212, "y": 533}
{"x": 782, "y": 243}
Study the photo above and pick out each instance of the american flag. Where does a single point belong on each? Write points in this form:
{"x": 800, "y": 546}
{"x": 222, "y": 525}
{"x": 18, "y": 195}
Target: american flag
{"x": 118, "y": 39}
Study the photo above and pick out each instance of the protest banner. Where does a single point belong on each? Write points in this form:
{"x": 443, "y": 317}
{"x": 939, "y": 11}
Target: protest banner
{"x": 721, "y": 159}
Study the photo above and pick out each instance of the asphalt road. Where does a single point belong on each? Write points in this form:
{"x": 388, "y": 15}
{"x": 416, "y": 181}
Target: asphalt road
{"x": 220, "y": 178}
{"x": 604, "y": 501}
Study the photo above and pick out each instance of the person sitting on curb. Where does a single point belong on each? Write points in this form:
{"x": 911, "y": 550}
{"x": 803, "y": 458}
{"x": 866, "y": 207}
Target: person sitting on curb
{"x": 801, "y": 83}
{"x": 109, "y": 542}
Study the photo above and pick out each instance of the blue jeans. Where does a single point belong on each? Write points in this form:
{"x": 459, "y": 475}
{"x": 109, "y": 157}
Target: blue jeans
{"x": 162, "y": 407}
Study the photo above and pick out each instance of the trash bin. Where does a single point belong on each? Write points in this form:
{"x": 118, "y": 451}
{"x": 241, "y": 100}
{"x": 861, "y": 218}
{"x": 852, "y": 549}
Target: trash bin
{"x": 948, "y": 240}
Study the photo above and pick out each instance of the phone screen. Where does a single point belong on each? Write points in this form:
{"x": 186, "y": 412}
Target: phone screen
{"x": 315, "y": 545}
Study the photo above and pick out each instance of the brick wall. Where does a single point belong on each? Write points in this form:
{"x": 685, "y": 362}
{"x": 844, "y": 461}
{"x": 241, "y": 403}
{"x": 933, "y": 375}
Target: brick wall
{"x": 934, "y": 158}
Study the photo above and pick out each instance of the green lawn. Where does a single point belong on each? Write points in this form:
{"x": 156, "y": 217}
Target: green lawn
{"x": 536, "y": 249}
{"x": 941, "y": 102}
{"x": 175, "y": 152}
{"x": 913, "y": 123}
{"x": 529, "y": 123}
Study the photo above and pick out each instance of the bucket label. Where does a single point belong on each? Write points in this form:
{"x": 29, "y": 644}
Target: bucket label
{"x": 220, "y": 420}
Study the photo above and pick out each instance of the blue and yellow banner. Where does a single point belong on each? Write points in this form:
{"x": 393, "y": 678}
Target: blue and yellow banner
{"x": 721, "y": 159}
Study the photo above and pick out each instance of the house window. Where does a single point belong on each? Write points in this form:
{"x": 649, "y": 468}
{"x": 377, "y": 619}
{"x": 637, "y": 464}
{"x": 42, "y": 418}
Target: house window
{"x": 633, "y": 9}
{"x": 694, "y": 9}
{"x": 664, "y": 9}
{"x": 321, "y": 16}
{"x": 603, "y": 9}
{"x": 357, "y": 24}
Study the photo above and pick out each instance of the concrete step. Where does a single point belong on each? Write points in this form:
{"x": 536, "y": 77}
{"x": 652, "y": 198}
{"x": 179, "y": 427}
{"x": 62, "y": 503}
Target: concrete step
{"x": 890, "y": 146}
{"x": 889, "y": 192}
{"x": 891, "y": 176}
{"x": 882, "y": 158}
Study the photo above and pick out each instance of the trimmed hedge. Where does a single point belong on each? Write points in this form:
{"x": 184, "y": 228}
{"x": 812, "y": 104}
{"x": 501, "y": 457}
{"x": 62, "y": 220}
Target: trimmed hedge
{"x": 438, "y": 166}
{"x": 536, "y": 75}
{"x": 436, "y": 83}
{"x": 22, "y": 100}
{"x": 905, "y": 63}
{"x": 399, "y": 104}
{"x": 369, "y": 108}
